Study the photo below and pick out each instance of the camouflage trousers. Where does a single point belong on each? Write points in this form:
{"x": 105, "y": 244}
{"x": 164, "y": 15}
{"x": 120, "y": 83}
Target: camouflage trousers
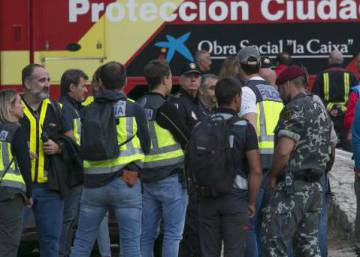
{"x": 292, "y": 218}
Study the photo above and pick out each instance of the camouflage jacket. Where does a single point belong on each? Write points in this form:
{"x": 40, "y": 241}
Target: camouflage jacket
{"x": 306, "y": 122}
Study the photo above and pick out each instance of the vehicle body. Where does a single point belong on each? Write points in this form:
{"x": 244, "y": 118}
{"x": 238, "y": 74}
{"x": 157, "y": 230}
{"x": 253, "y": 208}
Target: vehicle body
{"x": 84, "y": 34}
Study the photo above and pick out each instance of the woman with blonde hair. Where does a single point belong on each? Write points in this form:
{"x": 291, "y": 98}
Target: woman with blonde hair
{"x": 15, "y": 176}
{"x": 230, "y": 67}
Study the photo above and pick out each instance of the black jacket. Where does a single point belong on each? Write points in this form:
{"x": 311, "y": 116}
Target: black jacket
{"x": 189, "y": 109}
{"x": 66, "y": 170}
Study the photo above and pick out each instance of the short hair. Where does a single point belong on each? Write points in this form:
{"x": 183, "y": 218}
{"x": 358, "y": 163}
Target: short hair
{"x": 69, "y": 77}
{"x": 155, "y": 71}
{"x": 226, "y": 89}
{"x": 205, "y": 78}
{"x": 199, "y": 54}
{"x": 250, "y": 69}
{"x": 113, "y": 75}
{"x": 28, "y": 70}
{"x": 300, "y": 82}
{"x": 7, "y": 98}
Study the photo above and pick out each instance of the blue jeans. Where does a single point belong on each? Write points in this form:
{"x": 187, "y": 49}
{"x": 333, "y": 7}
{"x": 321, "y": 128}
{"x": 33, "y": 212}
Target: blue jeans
{"x": 164, "y": 200}
{"x": 126, "y": 203}
{"x": 103, "y": 237}
{"x": 48, "y": 211}
{"x": 253, "y": 241}
{"x": 71, "y": 221}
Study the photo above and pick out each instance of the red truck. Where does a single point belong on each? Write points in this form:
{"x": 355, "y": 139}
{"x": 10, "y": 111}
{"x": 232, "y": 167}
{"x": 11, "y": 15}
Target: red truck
{"x": 84, "y": 34}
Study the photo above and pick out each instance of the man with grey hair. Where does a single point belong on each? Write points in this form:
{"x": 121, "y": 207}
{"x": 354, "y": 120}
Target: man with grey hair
{"x": 333, "y": 86}
{"x": 203, "y": 60}
{"x": 206, "y": 93}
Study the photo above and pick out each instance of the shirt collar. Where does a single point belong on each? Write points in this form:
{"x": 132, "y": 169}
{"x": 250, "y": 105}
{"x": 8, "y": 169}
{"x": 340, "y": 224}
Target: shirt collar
{"x": 225, "y": 110}
{"x": 256, "y": 78}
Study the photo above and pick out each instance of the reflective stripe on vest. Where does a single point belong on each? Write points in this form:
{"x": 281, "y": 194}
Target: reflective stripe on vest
{"x": 326, "y": 86}
{"x": 88, "y": 101}
{"x": 341, "y": 105}
{"x": 164, "y": 151}
{"x": 36, "y": 126}
{"x": 13, "y": 177}
{"x": 77, "y": 130}
{"x": 129, "y": 152}
{"x": 266, "y": 123}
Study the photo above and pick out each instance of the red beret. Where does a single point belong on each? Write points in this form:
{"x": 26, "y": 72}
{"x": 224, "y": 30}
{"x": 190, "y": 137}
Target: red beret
{"x": 290, "y": 73}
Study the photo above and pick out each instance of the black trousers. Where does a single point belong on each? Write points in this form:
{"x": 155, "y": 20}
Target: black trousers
{"x": 190, "y": 244}
{"x": 223, "y": 219}
{"x": 11, "y": 220}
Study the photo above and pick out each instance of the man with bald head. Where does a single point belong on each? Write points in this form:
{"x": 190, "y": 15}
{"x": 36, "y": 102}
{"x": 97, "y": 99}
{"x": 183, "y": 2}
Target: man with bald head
{"x": 267, "y": 72}
{"x": 333, "y": 86}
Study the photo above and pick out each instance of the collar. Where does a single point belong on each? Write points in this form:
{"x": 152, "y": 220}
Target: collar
{"x": 182, "y": 92}
{"x": 29, "y": 107}
{"x": 300, "y": 95}
{"x": 77, "y": 105}
{"x": 110, "y": 96}
{"x": 205, "y": 108}
{"x": 226, "y": 110}
{"x": 256, "y": 78}
{"x": 156, "y": 94}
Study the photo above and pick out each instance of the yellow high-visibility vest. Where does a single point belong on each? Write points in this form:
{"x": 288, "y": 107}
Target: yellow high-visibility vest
{"x": 340, "y": 104}
{"x": 36, "y": 144}
{"x": 268, "y": 109}
{"x": 10, "y": 175}
{"x": 164, "y": 150}
{"x": 128, "y": 153}
{"x": 268, "y": 113}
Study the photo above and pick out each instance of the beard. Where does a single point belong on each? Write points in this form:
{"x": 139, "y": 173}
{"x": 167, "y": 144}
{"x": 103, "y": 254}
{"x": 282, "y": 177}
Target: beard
{"x": 42, "y": 94}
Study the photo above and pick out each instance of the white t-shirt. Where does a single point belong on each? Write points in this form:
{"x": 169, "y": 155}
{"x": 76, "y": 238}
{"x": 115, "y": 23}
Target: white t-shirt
{"x": 248, "y": 99}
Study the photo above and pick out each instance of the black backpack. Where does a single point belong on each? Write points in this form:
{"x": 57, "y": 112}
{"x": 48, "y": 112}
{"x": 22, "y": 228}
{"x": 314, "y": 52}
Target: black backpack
{"x": 209, "y": 161}
{"x": 98, "y": 132}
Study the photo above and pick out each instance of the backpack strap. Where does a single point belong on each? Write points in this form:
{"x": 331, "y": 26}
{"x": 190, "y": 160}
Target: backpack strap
{"x": 6, "y": 170}
{"x": 230, "y": 122}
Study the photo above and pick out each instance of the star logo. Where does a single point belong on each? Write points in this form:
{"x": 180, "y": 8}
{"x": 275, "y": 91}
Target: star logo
{"x": 176, "y": 45}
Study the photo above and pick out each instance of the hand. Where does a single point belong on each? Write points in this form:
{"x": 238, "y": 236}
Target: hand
{"x": 349, "y": 135}
{"x": 50, "y": 147}
{"x": 29, "y": 202}
{"x": 33, "y": 155}
{"x": 130, "y": 177}
{"x": 358, "y": 174}
{"x": 272, "y": 180}
{"x": 252, "y": 210}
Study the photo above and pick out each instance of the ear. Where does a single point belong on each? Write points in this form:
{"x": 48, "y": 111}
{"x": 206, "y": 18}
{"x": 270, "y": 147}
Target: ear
{"x": 238, "y": 98}
{"x": 71, "y": 87}
{"x": 27, "y": 84}
{"x": 163, "y": 80}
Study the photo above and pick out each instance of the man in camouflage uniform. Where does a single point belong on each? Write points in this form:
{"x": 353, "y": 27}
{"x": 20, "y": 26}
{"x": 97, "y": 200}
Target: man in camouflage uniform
{"x": 301, "y": 154}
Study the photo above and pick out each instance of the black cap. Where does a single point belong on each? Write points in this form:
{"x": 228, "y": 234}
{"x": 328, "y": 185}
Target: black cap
{"x": 190, "y": 68}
